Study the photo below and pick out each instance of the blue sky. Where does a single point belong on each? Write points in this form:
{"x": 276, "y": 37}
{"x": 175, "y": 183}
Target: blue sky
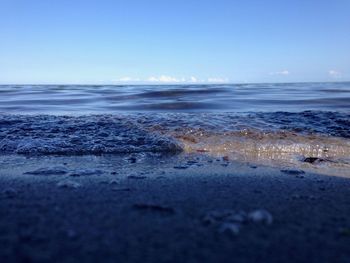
{"x": 160, "y": 42}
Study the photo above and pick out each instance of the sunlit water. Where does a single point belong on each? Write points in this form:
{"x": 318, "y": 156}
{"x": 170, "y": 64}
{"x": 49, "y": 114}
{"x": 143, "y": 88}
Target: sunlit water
{"x": 264, "y": 123}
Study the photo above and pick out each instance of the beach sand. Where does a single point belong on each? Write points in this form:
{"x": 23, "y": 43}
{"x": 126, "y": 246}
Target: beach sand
{"x": 182, "y": 208}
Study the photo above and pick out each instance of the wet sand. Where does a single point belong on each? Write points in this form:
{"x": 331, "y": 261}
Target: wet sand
{"x": 141, "y": 209}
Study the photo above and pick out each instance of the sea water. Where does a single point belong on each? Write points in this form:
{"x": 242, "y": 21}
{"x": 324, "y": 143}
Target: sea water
{"x": 268, "y": 123}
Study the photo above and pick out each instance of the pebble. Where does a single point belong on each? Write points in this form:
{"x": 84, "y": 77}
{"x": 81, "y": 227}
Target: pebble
{"x": 239, "y": 217}
{"x": 230, "y": 221}
{"x": 68, "y": 184}
{"x": 208, "y": 220}
{"x": 229, "y": 228}
{"x": 261, "y": 216}
{"x": 313, "y": 160}
{"x": 303, "y": 197}
{"x": 219, "y": 215}
{"x": 225, "y": 216}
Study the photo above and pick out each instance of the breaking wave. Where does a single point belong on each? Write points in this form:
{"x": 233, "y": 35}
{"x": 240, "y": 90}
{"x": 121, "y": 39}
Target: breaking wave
{"x": 309, "y": 133}
{"x": 78, "y": 135}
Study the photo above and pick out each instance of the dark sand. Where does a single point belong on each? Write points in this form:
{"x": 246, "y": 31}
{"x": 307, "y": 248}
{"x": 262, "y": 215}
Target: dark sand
{"x": 156, "y": 214}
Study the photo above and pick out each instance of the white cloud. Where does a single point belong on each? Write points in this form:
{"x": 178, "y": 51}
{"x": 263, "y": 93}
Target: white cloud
{"x": 170, "y": 79}
{"x": 164, "y": 79}
{"x": 126, "y": 79}
{"x": 193, "y": 79}
{"x": 217, "y": 80}
{"x": 281, "y": 73}
{"x": 334, "y": 73}
{"x": 153, "y": 79}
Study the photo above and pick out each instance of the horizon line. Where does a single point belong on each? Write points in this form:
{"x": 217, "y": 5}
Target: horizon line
{"x": 168, "y": 84}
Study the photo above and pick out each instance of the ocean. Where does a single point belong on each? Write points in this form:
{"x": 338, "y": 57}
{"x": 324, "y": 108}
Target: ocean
{"x": 90, "y": 99}
{"x": 283, "y": 124}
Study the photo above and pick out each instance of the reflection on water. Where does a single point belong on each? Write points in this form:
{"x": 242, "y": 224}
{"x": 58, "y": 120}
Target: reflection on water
{"x": 83, "y": 99}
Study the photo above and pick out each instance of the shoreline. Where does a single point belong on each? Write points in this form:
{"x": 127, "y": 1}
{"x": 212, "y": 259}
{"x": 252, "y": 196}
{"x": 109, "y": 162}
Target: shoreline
{"x": 134, "y": 208}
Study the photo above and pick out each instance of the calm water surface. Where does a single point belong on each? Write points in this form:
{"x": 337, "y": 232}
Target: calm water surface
{"x": 71, "y": 99}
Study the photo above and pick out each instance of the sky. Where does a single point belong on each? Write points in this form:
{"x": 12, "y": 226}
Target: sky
{"x": 179, "y": 41}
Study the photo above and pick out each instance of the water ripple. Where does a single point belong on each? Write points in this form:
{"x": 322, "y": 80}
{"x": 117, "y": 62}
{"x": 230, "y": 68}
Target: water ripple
{"x": 85, "y": 99}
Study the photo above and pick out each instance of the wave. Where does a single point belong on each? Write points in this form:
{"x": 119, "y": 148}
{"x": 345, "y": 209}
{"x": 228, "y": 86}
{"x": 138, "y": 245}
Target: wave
{"x": 310, "y": 133}
{"x": 78, "y": 135}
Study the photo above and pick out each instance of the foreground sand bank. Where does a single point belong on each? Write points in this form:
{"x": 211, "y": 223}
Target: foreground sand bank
{"x": 183, "y": 208}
